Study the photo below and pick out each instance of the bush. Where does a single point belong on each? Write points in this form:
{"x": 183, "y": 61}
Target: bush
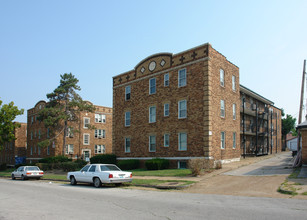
{"x": 80, "y": 163}
{"x": 69, "y": 166}
{"x": 197, "y": 165}
{"x": 157, "y": 164}
{"x": 44, "y": 166}
{"x": 104, "y": 158}
{"x": 128, "y": 164}
{"x": 56, "y": 159}
{"x": 3, "y": 166}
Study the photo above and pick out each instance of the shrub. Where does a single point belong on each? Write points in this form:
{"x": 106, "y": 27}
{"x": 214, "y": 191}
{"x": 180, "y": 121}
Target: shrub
{"x": 197, "y": 165}
{"x": 3, "y": 166}
{"x": 56, "y": 159}
{"x": 104, "y": 158}
{"x": 157, "y": 164}
{"x": 44, "y": 166}
{"x": 128, "y": 164}
{"x": 69, "y": 166}
{"x": 218, "y": 164}
{"x": 80, "y": 163}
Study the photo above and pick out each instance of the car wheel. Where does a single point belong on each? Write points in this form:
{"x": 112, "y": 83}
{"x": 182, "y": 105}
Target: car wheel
{"x": 118, "y": 184}
{"x": 73, "y": 180}
{"x": 13, "y": 177}
{"x": 97, "y": 182}
{"x": 23, "y": 177}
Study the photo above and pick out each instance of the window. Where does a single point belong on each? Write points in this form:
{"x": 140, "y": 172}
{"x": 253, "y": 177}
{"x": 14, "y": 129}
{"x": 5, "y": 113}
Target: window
{"x": 31, "y": 135}
{"x": 223, "y": 108}
{"x": 100, "y": 118}
{"x": 127, "y": 92}
{"x": 222, "y": 76}
{"x": 92, "y": 169}
{"x": 85, "y": 169}
{"x": 182, "y": 109}
{"x": 35, "y": 133}
{"x": 234, "y": 83}
{"x": 127, "y": 119}
{"x": 152, "y": 143}
{"x": 152, "y": 86}
{"x": 86, "y": 139}
{"x": 182, "y": 78}
{"x": 100, "y": 149}
{"x": 32, "y": 119}
{"x": 182, "y": 141}
{"x": 100, "y": 133}
{"x": 222, "y": 140}
{"x": 69, "y": 149}
{"x": 152, "y": 114}
{"x": 234, "y": 140}
{"x": 166, "y": 140}
{"x": 182, "y": 165}
{"x": 234, "y": 114}
{"x": 166, "y": 109}
{"x": 31, "y": 151}
{"x": 166, "y": 79}
{"x": 48, "y": 132}
{"x": 127, "y": 145}
{"x": 48, "y": 150}
{"x": 39, "y": 150}
{"x": 86, "y": 122}
{"x": 70, "y": 132}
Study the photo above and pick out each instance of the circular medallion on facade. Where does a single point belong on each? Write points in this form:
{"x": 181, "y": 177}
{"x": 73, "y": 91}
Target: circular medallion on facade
{"x": 152, "y": 65}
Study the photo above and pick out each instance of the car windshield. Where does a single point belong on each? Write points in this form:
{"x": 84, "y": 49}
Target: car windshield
{"x": 32, "y": 168}
{"x": 109, "y": 168}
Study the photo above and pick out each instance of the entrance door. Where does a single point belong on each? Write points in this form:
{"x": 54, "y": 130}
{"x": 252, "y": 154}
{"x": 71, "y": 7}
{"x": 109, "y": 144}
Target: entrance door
{"x": 86, "y": 155}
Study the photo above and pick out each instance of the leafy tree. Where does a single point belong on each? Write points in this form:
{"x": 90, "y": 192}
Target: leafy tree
{"x": 288, "y": 124}
{"x": 63, "y": 108}
{"x": 8, "y": 113}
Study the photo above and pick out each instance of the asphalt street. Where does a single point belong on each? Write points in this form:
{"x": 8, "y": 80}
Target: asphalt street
{"x": 42, "y": 200}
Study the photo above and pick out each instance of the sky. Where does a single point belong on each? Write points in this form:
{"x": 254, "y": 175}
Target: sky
{"x": 96, "y": 40}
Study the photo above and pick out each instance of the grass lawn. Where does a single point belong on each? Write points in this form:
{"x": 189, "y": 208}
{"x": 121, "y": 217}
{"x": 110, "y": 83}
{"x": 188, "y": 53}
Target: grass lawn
{"x": 7, "y": 172}
{"x": 167, "y": 172}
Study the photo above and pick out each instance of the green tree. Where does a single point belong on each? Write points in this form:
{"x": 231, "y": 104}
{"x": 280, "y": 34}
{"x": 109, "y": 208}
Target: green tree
{"x": 63, "y": 108}
{"x": 288, "y": 124}
{"x": 8, "y": 113}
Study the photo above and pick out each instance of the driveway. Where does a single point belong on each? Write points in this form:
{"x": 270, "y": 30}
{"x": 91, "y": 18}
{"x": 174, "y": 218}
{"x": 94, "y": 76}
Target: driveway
{"x": 256, "y": 177}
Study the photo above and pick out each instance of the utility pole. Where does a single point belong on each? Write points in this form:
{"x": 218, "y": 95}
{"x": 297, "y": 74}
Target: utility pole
{"x": 301, "y": 106}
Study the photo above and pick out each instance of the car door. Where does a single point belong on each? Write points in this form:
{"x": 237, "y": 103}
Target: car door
{"x": 19, "y": 171}
{"x": 81, "y": 175}
{"x": 90, "y": 174}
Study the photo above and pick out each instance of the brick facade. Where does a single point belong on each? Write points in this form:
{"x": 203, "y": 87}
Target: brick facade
{"x": 15, "y": 149}
{"x": 202, "y": 93}
{"x": 37, "y": 133}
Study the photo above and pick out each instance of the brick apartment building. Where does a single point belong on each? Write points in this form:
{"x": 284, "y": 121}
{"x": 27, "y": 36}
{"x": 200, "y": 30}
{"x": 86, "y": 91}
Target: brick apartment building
{"x": 14, "y": 152}
{"x": 260, "y": 124}
{"x": 178, "y": 106}
{"x": 81, "y": 144}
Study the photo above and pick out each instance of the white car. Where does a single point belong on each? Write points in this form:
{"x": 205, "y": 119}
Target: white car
{"x": 98, "y": 174}
{"x": 27, "y": 172}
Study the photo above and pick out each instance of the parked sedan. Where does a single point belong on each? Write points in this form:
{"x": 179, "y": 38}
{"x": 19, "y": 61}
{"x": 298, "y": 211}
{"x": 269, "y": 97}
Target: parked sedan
{"x": 98, "y": 174}
{"x": 27, "y": 172}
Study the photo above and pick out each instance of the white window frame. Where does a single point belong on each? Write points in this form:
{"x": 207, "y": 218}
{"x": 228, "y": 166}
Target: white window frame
{"x": 182, "y": 111}
{"x": 234, "y": 140}
{"x": 182, "y": 146}
{"x": 69, "y": 149}
{"x": 152, "y": 117}
{"x": 69, "y": 132}
{"x": 100, "y": 118}
{"x": 166, "y": 139}
{"x": 234, "y": 83}
{"x": 182, "y": 81}
{"x": 152, "y": 84}
{"x": 166, "y": 109}
{"x": 127, "y": 148}
{"x": 223, "y": 140}
{"x": 85, "y": 125}
{"x": 222, "y": 77}
{"x": 222, "y": 108}
{"x": 166, "y": 80}
{"x": 100, "y": 149}
{"x": 100, "y": 133}
{"x": 127, "y": 119}
{"x": 234, "y": 111}
{"x": 127, "y": 93}
{"x": 84, "y": 143}
{"x": 152, "y": 143}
